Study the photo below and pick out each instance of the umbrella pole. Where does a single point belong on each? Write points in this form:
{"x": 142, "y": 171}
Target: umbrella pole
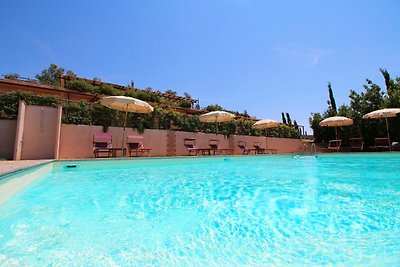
{"x": 388, "y": 134}
{"x": 123, "y": 132}
{"x": 266, "y": 139}
{"x": 336, "y": 132}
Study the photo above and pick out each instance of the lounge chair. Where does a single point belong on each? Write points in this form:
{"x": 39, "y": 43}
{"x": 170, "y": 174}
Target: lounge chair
{"x": 356, "y": 144}
{"x": 135, "y": 146}
{"x": 217, "y": 150}
{"x": 102, "y": 145}
{"x": 190, "y": 145}
{"x": 245, "y": 150}
{"x": 381, "y": 144}
{"x": 258, "y": 148}
{"x": 334, "y": 146}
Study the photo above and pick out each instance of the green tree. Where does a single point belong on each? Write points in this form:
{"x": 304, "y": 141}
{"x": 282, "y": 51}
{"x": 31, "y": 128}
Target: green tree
{"x": 388, "y": 81}
{"x": 106, "y": 89}
{"x": 213, "y": 107}
{"x": 288, "y": 119}
{"x": 50, "y": 76}
{"x": 81, "y": 86}
{"x": 185, "y": 104}
{"x": 332, "y": 110}
{"x": 12, "y": 76}
{"x": 284, "y": 118}
{"x": 321, "y": 134}
{"x": 392, "y": 96}
{"x": 77, "y": 113}
{"x": 9, "y": 102}
{"x": 171, "y": 92}
{"x": 371, "y": 98}
{"x": 71, "y": 74}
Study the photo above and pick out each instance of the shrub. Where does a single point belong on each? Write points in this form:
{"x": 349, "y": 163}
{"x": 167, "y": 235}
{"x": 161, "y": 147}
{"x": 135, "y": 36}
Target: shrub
{"x": 77, "y": 113}
{"x": 81, "y": 86}
{"x": 105, "y": 89}
{"x": 147, "y": 96}
{"x": 9, "y": 102}
{"x": 185, "y": 104}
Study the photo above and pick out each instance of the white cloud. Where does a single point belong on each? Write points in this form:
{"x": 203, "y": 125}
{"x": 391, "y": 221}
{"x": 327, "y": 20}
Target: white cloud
{"x": 44, "y": 47}
{"x": 297, "y": 51}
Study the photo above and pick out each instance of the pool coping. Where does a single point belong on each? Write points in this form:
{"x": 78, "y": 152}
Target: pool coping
{"x": 11, "y": 167}
{"x": 7, "y": 168}
{"x": 13, "y": 182}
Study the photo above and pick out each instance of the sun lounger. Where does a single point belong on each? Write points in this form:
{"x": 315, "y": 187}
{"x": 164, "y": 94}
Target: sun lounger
{"x": 381, "y": 144}
{"x": 245, "y": 150}
{"x": 356, "y": 144}
{"x": 102, "y": 145}
{"x": 190, "y": 145}
{"x": 258, "y": 148}
{"x": 217, "y": 150}
{"x": 334, "y": 146}
{"x": 135, "y": 146}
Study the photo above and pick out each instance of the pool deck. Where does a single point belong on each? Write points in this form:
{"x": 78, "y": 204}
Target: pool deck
{"x": 15, "y": 165}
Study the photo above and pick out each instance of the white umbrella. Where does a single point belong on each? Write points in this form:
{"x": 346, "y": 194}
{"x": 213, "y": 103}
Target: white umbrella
{"x": 383, "y": 113}
{"x": 265, "y": 124}
{"x": 216, "y": 117}
{"x": 335, "y": 122}
{"x": 127, "y": 104}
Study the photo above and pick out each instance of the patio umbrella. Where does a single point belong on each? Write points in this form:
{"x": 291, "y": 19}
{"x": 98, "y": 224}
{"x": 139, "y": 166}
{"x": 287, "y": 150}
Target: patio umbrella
{"x": 216, "y": 117}
{"x": 383, "y": 113}
{"x": 265, "y": 124}
{"x": 335, "y": 122}
{"x": 127, "y": 104}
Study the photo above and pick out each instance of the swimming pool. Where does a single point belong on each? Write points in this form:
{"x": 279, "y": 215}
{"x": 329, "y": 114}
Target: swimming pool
{"x": 219, "y": 211}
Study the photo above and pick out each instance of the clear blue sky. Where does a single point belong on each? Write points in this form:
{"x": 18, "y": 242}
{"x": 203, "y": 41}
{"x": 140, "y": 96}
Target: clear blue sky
{"x": 256, "y": 55}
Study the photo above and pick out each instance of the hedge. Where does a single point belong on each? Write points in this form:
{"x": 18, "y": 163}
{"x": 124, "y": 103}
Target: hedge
{"x": 161, "y": 118}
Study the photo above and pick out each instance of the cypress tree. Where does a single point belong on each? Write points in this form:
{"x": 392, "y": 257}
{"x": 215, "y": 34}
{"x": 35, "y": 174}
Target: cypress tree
{"x": 289, "y": 120}
{"x": 332, "y": 102}
{"x": 388, "y": 81}
{"x": 283, "y": 118}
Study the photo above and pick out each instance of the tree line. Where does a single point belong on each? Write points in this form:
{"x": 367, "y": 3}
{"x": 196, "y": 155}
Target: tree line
{"x": 372, "y": 97}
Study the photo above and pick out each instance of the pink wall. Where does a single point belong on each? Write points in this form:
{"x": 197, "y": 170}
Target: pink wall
{"x": 202, "y": 141}
{"x": 76, "y": 141}
{"x": 44, "y": 137}
{"x": 282, "y": 145}
{"x": 39, "y": 132}
{"x": 7, "y": 140}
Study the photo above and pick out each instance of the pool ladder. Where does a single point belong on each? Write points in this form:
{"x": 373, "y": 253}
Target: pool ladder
{"x": 308, "y": 147}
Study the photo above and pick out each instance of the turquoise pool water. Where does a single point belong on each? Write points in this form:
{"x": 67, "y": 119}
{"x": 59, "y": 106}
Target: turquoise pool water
{"x": 219, "y": 211}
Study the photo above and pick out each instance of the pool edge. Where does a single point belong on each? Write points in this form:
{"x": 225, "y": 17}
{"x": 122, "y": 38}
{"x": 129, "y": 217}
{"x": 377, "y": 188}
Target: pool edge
{"x": 10, "y": 184}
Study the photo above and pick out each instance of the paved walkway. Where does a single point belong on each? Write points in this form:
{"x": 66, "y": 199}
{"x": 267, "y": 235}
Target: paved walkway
{"x": 13, "y": 165}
